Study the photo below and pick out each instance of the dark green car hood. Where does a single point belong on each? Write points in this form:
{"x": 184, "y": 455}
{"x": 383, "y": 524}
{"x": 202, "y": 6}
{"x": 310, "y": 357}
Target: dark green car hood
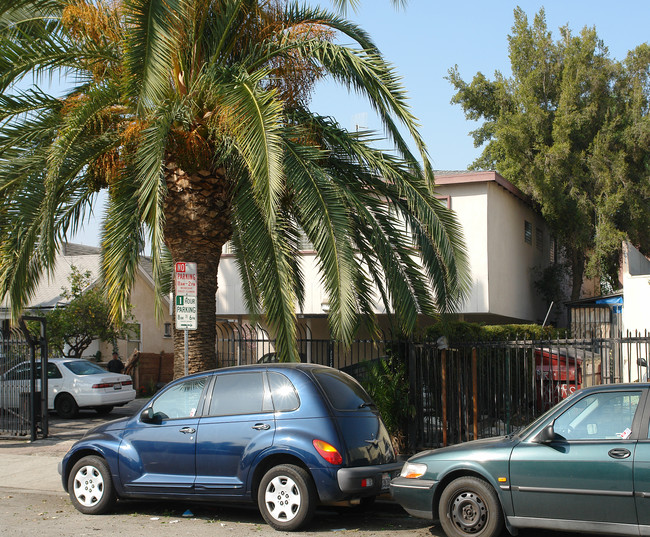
{"x": 488, "y": 447}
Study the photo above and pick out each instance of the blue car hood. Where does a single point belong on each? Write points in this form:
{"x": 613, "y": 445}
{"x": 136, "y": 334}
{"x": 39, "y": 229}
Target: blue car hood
{"x": 112, "y": 426}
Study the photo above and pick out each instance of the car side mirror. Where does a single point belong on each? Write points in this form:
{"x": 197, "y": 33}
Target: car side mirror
{"x": 546, "y": 435}
{"x": 147, "y": 415}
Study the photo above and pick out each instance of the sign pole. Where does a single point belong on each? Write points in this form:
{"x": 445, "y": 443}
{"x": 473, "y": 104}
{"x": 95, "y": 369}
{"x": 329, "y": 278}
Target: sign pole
{"x": 187, "y": 349}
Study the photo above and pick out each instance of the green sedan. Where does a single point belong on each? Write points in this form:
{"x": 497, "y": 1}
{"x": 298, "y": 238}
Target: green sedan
{"x": 583, "y": 466}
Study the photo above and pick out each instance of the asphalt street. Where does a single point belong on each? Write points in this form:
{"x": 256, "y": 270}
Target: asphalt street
{"x": 32, "y": 501}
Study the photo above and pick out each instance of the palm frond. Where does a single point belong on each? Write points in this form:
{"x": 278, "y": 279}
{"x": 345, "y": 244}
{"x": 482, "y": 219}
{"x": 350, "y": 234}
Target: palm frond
{"x": 255, "y": 124}
{"x": 151, "y": 40}
{"x": 268, "y": 259}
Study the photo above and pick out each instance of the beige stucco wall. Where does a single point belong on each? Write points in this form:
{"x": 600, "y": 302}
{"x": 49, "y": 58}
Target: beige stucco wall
{"x": 502, "y": 263}
{"x": 151, "y": 332}
{"x": 469, "y": 202}
{"x": 513, "y": 261}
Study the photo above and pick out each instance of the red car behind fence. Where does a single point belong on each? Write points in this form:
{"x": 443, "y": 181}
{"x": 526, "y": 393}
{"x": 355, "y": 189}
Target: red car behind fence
{"x": 557, "y": 376}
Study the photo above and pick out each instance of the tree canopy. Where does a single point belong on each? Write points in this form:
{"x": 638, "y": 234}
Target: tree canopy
{"x": 194, "y": 116}
{"x": 86, "y": 317}
{"x": 570, "y": 128}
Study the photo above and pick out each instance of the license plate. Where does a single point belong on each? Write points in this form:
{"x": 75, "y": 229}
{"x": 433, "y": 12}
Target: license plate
{"x": 117, "y": 386}
{"x": 385, "y": 481}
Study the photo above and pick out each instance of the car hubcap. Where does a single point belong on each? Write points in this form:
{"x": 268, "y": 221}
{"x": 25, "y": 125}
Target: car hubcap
{"x": 469, "y": 512}
{"x": 282, "y": 498}
{"x": 88, "y": 486}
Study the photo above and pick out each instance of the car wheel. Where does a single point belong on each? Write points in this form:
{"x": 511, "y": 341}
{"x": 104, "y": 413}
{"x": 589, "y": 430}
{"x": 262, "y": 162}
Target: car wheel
{"x": 287, "y": 497}
{"x": 470, "y": 506}
{"x": 66, "y": 406}
{"x": 103, "y": 410}
{"x": 90, "y": 486}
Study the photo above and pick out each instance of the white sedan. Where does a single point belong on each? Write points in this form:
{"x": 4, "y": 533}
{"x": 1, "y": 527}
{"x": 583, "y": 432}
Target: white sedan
{"x": 72, "y": 383}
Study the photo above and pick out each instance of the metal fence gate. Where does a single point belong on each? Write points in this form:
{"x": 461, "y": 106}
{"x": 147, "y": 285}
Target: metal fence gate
{"x": 23, "y": 380}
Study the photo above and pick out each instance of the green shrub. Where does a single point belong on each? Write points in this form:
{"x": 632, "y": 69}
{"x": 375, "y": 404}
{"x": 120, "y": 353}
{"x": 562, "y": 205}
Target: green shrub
{"x": 464, "y": 332}
{"x": 386, "y": 380}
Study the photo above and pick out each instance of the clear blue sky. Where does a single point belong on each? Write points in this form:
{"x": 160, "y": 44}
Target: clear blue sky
{"x": 430, "y": 36}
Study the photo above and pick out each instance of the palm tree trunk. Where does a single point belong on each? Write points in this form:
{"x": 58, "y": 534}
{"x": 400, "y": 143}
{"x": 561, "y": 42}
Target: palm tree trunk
{"x": 197, "y": 225}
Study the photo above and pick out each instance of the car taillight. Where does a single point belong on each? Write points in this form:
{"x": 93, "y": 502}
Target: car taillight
{"x": 104, "y": 385}
{"x": 328, "y": 452}
{"x": 127, "y": 382}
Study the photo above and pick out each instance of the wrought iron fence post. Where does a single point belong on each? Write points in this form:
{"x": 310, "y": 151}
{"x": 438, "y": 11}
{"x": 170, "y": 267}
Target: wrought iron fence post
{"x": 443, "y": 374}
{"x": 508, "y": 393}
{"x": 411, "y": 430}
{"x": 475, "y": 392}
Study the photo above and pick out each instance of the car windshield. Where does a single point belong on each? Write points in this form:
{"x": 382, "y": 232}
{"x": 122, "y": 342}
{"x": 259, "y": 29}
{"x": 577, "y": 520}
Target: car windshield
{"x": 83, "y": 367}
{"x": 522, "y": 433}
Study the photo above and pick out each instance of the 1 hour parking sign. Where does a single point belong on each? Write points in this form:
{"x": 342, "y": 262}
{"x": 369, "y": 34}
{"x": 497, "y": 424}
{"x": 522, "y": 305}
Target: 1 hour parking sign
{"x": 185, "y": 278}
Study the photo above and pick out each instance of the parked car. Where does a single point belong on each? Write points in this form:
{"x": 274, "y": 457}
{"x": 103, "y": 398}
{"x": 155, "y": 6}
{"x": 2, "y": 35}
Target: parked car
{"x": 583, "y": 466}
{"x": 72, "y": 383}
{"x": 284, "y": 436}
{"x": 273, "y": 358}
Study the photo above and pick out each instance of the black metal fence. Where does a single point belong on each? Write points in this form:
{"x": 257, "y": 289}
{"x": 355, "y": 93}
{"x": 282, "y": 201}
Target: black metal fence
{"x": 241, "y": 344}
{"x": 483, "y": 389}
{"x": 471, "y": 390}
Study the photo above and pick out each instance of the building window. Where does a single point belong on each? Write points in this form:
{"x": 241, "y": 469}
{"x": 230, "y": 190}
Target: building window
{"x": 133, "y": 338}
{"x": 552, "y": 254}
{"x": 168, "y": 330}
{"x": 445, "y": 200}
{"x": 303, "y": 242}
{"x": 528, "y": 232}
{"x": 539, "y": 239}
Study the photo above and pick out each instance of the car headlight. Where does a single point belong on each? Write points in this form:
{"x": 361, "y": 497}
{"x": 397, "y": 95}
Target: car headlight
{"x": 412, "y": 470}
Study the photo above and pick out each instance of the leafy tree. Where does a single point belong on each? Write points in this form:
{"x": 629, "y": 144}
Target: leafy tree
{"x": 85, "y": 318}
{"x": 193, "y": 115}
{"x": 571, "y": 129}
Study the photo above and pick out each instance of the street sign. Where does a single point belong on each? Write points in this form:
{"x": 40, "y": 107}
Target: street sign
{"x": 186, "y": 288}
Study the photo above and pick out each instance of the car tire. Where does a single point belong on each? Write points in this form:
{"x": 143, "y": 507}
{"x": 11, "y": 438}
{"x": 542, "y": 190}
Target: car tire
{"x": 66, "y": 406}
{"x": 90, "y": 486}
{"x": 470, "y": 506}
{"x": 103, "y": 410}
{"x": 287, "y": 497}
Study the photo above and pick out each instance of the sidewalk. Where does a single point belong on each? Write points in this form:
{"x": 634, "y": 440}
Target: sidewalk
{"x": 33, "y": 466}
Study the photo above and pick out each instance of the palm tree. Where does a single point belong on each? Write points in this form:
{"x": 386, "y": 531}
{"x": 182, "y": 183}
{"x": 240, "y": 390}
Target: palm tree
{"x": 193, "y": 115}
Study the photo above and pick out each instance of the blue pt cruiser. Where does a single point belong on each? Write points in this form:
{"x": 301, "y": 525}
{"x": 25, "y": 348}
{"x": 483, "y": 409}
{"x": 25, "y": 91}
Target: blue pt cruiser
{"x": 284, "y": 436}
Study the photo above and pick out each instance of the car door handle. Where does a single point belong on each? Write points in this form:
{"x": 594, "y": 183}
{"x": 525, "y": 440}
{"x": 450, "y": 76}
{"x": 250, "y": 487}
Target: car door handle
{"x": 619, "y": 453}
{"x": 261, "y": 426}
{"x": 187, "y": 430}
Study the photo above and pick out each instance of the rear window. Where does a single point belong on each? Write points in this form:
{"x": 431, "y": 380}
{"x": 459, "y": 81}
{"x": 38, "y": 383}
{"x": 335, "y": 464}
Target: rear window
{"x": 83, "y": 367}
{"x": 284, "y": 393}
{"x": 342, "y": 391}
